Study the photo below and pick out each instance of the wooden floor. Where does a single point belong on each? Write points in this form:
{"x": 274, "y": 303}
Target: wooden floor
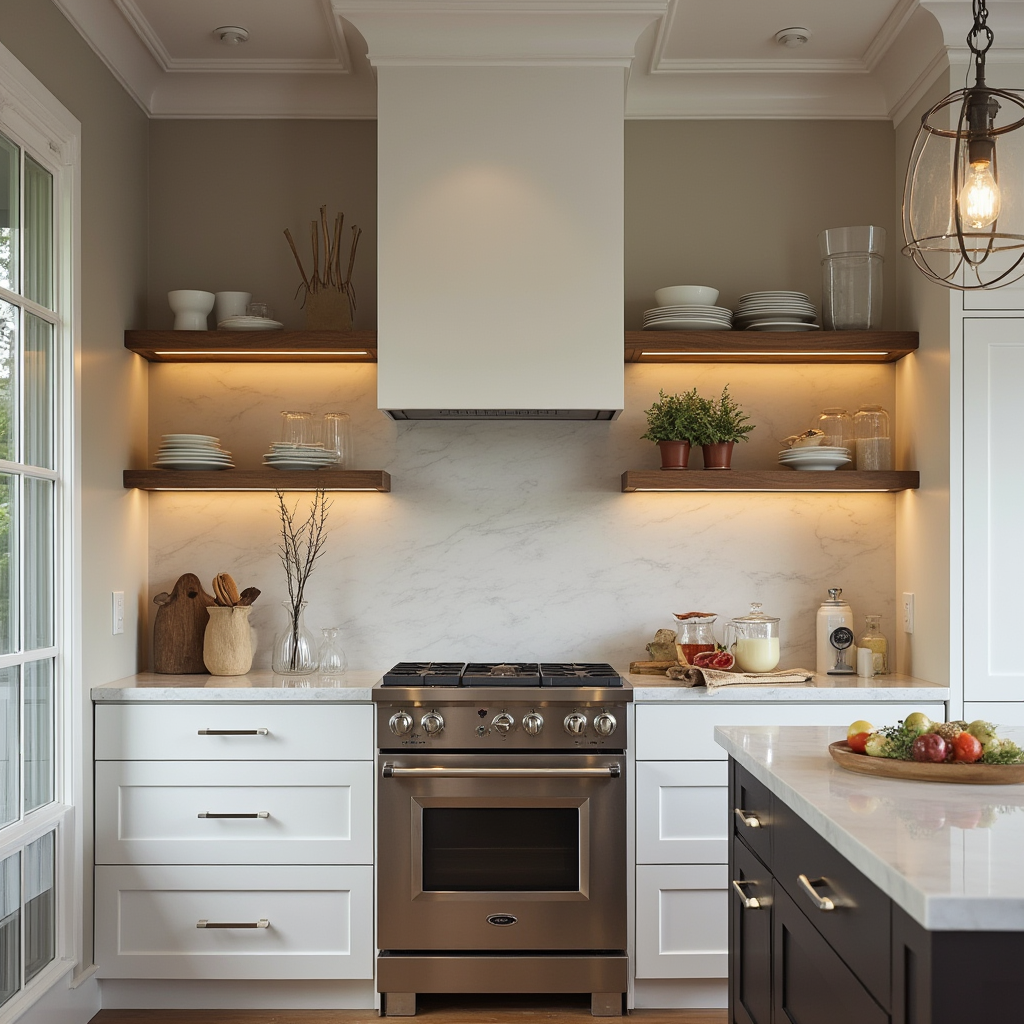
{"x": 430, "y": 1010}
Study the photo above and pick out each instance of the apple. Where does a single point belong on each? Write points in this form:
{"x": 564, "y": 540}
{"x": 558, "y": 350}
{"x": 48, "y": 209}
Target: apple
{"x": 876, "y": 746}
{"x": 930, "y": 748}
{"x": 859, "y": 726}
{"x": 918, "y": 721}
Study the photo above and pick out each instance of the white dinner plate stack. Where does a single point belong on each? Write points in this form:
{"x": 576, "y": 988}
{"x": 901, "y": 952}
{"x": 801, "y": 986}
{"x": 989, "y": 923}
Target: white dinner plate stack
{"x": 775, "y": 311}
{"x": 688, "y": 318}
{"x": 191, "y": 451}
{"x": 299, "y": 456}
{"x": 249, "y": 323}
{"x": 816, "y": 457}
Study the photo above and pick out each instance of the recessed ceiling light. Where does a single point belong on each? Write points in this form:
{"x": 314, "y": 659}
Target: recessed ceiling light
{"x": 792, "y": 36}
{"x": 231, "y": 35}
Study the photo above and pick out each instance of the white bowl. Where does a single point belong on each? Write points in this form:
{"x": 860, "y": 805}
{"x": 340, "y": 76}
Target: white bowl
{"x": 686, "y": 295}
{"x": 191, "y": 308}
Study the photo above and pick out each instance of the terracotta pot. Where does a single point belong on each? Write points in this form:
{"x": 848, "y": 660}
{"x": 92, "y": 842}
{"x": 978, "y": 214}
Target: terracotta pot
{"x": 719, "y": 455}
{"x": 674, "y": 454}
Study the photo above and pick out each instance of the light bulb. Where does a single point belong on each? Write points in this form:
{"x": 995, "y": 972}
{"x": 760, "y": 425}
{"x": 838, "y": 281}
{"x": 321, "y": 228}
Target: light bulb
{"x": 979, "y": 199}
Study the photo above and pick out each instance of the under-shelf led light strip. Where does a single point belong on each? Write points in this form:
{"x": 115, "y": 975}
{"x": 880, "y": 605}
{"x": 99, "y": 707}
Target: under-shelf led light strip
{"x": 177, "y": 353}
{"x": 758, "y": 353}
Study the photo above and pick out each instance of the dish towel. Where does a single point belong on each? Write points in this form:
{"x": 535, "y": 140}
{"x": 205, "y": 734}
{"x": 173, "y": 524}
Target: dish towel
{"x": 714, "y": 679}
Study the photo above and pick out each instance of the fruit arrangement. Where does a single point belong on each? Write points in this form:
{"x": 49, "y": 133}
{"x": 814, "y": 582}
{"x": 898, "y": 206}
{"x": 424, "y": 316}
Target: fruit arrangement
{"x": 918, "y": 738}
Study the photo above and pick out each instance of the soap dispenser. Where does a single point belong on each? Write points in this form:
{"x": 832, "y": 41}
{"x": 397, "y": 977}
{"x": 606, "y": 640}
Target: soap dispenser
{"x": 834, "y": 634}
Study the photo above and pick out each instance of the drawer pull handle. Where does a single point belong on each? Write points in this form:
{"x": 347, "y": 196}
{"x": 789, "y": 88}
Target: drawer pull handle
{"x": 234, "y": 732}
{"x": 219, "y": 814}
{"x": 749, "y": 902}
{"x": 821, "y": 902}
{"x": 263, "y": 922}
{"x": 747, "y": 819}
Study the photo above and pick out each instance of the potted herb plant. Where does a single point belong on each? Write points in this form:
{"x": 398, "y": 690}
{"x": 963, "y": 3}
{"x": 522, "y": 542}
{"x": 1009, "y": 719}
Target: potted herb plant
{"x": 720, "y": 424}
{"x": 671, "y": 423}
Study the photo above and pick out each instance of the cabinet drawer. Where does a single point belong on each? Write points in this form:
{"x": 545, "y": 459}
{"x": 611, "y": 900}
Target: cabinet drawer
{"x": 681, "y": 812}
{"x": 320, "y": 922}
{"x": 685, "y": 732}
{"x": 264, "y": 732}
{"x": 148, "y": 812}
{"x": 809, "y": 981}
{"x": 751, "y": 813}
{"x": 681, "y": 921}
{"x": 858, "y": 929}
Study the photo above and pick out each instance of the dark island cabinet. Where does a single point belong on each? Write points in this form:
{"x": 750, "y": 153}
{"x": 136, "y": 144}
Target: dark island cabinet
{"x": 831, "y": 948}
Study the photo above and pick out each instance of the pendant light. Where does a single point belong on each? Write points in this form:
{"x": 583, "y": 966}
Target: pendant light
{"x": 963, "y": 204}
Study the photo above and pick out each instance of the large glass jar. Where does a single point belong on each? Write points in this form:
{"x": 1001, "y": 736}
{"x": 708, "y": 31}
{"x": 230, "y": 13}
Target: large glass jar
{"x": 851, "y": 278}
{"x": 754, "y": 640}
{"x": 837, "y": 426}
{"x": 874, "y": 445}
{"x": 874, "y": 640}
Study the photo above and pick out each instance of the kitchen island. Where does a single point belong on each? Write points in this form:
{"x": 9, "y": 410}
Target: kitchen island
{"x": 868, "y": 899}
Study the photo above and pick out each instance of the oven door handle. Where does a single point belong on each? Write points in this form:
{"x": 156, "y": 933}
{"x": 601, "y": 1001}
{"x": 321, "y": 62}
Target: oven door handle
{"x": 612, "y": 771}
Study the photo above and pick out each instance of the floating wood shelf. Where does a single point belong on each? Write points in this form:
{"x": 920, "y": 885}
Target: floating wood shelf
{"x": 258, "y": 480}
{"x": 767, "y": 480}
{"x": 254, "y": 346}
{"x": 769, "y": 346}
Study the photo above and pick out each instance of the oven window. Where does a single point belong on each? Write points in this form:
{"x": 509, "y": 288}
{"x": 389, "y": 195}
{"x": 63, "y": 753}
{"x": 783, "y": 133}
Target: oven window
{"x": 509, "y": 849}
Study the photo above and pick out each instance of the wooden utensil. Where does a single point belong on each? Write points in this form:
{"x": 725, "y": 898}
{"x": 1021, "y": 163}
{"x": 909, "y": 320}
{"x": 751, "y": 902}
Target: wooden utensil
{"x": 179, "y": 627}
{"x": 225, "y": 590}
{"x": 248, "y": 596}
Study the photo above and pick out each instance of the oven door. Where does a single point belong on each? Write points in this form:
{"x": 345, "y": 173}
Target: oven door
{"x": 497, "y": 852}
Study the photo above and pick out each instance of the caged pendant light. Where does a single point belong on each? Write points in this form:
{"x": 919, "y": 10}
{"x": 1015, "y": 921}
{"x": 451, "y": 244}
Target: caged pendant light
{"x": 963, "y": 204}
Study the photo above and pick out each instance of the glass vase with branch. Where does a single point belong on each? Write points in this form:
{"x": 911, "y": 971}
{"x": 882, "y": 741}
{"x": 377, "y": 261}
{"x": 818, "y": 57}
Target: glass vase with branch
{"x": 301, "y": 547}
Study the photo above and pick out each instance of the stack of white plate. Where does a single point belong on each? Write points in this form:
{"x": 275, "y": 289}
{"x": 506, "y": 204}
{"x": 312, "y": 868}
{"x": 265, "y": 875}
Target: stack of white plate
{"x": 688, "y": 318}
{"x": 299, "y": 456}
{"x": 775, "y": 311}
{"x": 191, "y": 451}
{"x": 818, "y": 457}
{"x": 248, "y": 323}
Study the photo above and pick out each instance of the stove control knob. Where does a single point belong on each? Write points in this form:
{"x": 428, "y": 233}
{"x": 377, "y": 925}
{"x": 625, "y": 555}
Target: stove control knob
{"x": 604, "y": 724}
{"x": 401, "y": 723}
{"x": 503, "y": 723}
{"x": 432, "y": 723}
{"x": 533, "y": 723}
{"x": 575, "y": 724}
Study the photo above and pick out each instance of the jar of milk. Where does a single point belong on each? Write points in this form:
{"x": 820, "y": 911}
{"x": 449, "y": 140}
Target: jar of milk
{"x": 754, "y": 640}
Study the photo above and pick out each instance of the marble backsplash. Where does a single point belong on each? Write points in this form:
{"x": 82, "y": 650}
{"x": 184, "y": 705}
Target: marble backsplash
{"x": 513, "y": 540}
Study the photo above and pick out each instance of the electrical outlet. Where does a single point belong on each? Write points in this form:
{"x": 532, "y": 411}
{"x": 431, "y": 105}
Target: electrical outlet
{"x": 908, "y": 613}
{"x": 117, "y": 612}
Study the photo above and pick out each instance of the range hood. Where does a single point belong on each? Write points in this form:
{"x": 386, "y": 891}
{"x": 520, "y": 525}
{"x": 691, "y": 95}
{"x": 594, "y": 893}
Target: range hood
{"x": 500, "y": 204}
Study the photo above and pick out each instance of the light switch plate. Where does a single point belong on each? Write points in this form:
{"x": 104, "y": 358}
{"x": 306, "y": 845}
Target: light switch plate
{"x": 117, "y": 612}
{"x": 908, "y": 613}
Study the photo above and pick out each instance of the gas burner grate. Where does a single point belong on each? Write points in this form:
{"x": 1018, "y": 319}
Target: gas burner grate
{"x": 501, "y": 674}
{"x": 579, "y": 674}
{"x": 424, "y": 673}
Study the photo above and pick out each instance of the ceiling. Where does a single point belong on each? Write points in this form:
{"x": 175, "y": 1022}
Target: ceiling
{"x": 716, "y": 58}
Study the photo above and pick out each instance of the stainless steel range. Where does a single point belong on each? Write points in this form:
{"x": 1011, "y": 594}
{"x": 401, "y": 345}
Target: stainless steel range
{"x": 501, "y": 843}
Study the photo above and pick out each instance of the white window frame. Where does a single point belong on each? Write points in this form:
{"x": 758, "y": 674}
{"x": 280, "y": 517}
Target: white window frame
{"x": 35, "y": 120}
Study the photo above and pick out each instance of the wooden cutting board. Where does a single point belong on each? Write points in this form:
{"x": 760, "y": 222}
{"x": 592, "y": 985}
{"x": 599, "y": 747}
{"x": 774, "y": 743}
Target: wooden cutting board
{"x": 179, "y": 628}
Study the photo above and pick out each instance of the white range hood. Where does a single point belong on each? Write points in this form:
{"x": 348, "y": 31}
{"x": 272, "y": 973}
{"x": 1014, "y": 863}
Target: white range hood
{"x": 500, "y": 204}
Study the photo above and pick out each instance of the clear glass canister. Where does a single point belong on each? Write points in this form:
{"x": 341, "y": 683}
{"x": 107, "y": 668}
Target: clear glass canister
{"x": 695, "y": 633}
{"x": 874, "y": 640}
{"x": 837, "y": 426}
{"x": 874, "y": 443}
{"x": 754, "y": 640}
{"x": 851, "y": 278}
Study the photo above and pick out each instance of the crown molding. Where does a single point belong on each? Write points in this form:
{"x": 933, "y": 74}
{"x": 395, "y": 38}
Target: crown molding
{"x": 738, "y": 66}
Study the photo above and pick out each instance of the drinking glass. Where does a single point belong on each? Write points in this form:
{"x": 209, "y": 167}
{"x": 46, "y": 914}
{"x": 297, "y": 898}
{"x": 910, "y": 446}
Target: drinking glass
{"x": 337, "y": 436}
{"x": 258, "y": 309}
{"x": 296, "y": 428}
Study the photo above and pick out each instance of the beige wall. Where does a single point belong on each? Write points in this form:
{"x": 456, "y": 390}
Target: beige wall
{"x": 738, "y": 204}
{"x": 224, "y": 191}
{"x": 113, "y": 392}
{"x": 923, "y": 553}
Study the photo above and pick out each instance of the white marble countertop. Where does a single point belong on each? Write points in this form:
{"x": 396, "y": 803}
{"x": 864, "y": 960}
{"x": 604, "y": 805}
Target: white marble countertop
{"x": 950, "y": 855}
{"x": 837, "y": 689}
{"x": 352, "y": 687}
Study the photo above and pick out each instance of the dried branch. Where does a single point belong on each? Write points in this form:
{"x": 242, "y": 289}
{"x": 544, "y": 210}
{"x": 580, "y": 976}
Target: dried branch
{"x": 330, "y": 276}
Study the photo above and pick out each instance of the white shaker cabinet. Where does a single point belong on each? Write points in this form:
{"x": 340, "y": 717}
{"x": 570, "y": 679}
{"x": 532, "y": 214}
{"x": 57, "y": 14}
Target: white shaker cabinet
{"x": 234, "y": 841}
{"x": 682, "y": 824}
{"x": 993, "y": 477}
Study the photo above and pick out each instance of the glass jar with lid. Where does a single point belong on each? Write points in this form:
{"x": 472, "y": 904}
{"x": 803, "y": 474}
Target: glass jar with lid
{"x": 754, "y": 640}
{"x": 874, "y": 640}
{"x": 874, "y": 445}
{"x": 837, "y": 426}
